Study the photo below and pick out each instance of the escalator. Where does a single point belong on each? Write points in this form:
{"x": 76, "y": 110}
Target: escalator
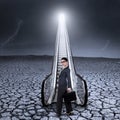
{"x": 49, "y": 89}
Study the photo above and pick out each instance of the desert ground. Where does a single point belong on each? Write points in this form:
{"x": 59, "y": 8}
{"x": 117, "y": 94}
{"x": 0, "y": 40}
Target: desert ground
{"x": 20, "y": 88}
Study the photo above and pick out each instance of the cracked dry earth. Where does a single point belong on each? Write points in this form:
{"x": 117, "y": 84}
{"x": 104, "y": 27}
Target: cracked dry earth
{"x": 20, "y": 89}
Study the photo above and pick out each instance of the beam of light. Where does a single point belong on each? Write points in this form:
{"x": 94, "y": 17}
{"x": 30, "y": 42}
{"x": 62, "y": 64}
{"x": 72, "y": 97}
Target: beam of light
{"x": 61, "y": 26}
{"x": 61, "y": 18}
{"x": 13, "y": 35}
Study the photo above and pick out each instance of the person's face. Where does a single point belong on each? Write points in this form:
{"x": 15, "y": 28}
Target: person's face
{"x": 64, "y": 63}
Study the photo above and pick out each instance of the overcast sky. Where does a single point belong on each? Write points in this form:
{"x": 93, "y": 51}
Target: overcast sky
{"x": 30, "y": 26}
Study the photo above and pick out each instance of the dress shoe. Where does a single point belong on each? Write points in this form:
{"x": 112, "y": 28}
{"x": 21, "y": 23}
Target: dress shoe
{"x": 70, "y": 113}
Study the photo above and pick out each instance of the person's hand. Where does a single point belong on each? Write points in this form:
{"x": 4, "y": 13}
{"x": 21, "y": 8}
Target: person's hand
{"x": 69, "y": 90}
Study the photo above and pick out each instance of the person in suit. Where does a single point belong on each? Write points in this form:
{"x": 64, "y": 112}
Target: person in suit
{"x": 64, "y": 85}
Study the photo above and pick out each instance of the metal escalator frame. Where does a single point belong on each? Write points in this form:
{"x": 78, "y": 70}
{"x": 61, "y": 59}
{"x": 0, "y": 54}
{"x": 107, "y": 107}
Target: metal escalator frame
{"x": 54, "y": 72}
{"x": 84, "y": 81}
{"x": 54, "y": 69}
{"x": 52, "y": 75}
{"x": 43, "y": 85}
{"x": 44, "y": 103}
{"x": 86, "y": 90}
{"x": 71, "y": 62}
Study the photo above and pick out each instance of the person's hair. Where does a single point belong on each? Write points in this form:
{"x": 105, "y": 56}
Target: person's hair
{"x": 64, "y": 58}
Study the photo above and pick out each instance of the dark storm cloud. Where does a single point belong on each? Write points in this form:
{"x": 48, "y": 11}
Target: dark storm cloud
{"x": 93, "y": 26}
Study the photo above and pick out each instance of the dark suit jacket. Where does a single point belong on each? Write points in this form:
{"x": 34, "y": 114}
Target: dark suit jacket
{"x": 64, "y": 78}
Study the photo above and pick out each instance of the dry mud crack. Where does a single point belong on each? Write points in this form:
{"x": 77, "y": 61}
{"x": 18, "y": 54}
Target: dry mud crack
{"x": 20, "y": 89}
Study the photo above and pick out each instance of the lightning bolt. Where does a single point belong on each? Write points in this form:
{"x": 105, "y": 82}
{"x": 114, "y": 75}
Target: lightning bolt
{"x": 13, "y": 35}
